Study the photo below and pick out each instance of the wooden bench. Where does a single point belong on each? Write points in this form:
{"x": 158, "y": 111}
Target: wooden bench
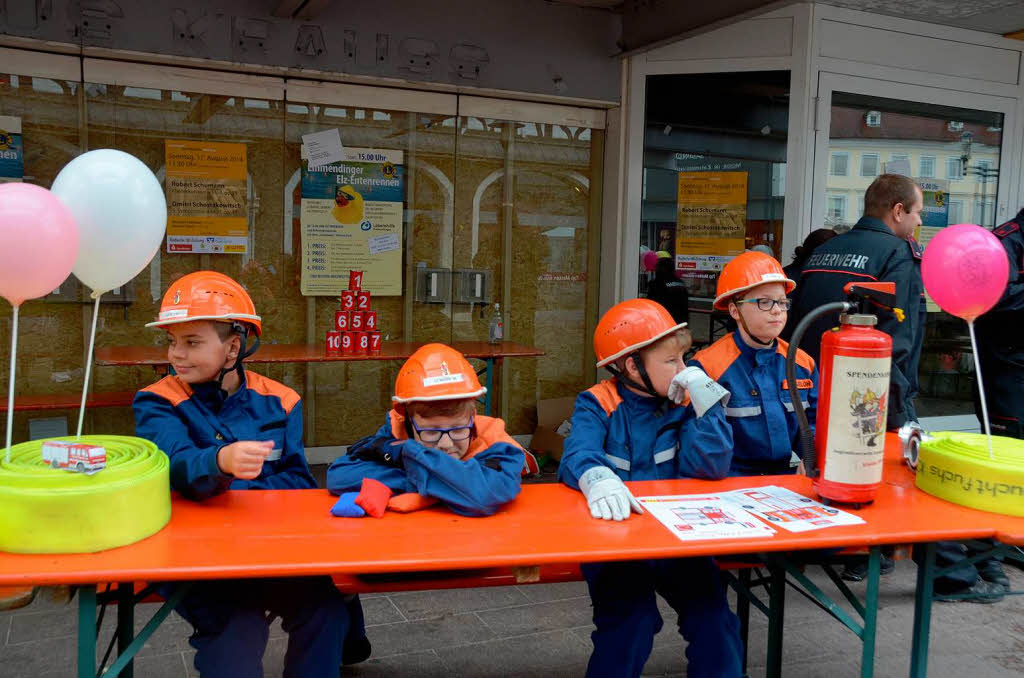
{"x": 70, "y": 401}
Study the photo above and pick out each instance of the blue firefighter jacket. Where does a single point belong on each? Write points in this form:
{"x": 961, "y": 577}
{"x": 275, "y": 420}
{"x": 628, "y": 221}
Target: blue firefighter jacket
{"x": 760, "y": 410}
{"x": 479, "y": 484}
{"x": 642, "y": 439}
{"x": 191, "y": 424}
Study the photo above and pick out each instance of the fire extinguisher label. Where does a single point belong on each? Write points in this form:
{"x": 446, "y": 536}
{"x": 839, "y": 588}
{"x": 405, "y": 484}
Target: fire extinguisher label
{"x": 856, "y": 421}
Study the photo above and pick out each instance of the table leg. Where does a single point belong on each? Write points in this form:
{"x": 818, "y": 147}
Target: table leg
{"x": 922, "y": 611}
{"x": 743, "y": 612}
{"x": 125, "y": 623}
{"x": 489, "y": 383}
{"x": 776, "y": 617}
{"x": 87, "y": 632}
{"x": 867, "y": 659}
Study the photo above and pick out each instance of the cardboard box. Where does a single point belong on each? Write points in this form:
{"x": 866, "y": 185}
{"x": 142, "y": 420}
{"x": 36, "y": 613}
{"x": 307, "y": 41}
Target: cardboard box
{"x": 553, "y": 426}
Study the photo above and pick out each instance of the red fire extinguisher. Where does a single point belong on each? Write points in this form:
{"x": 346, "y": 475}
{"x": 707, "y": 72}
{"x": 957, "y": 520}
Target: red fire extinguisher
{"x": 844, "y": 456}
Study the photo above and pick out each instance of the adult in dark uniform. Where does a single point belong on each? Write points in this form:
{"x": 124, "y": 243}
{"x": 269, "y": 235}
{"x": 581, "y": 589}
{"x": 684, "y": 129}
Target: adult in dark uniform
{"x": 1001, "y": 341}
{"x": 668, "y": 290}
{"x": 879, "y": 248}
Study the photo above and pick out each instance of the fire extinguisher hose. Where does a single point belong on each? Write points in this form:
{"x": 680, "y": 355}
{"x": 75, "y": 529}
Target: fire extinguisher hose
{"x": 956, "y": 467}
{"x": 48, "y": 510}
{"x": 806, "y": 435}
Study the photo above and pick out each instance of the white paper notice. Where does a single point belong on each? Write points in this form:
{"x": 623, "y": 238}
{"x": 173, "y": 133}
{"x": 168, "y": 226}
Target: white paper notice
{"x": 696, "y": 517}
{"x": 789, "y": 510}
{"x": 383, "y": 243}
{"x": 323, "y": 148}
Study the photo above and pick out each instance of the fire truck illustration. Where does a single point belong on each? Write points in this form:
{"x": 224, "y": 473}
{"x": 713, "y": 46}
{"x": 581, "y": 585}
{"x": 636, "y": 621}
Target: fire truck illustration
{"x": 78, "y": 457}
{"x": 786, "y": 511}
{"x": 705, "y": 515}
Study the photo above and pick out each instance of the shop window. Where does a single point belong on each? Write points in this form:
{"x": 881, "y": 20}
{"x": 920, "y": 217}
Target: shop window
{"x": 954, "y": 168}
{"x": 840, "y": 164}
{"x": 869, "y": 164}
{"x": 835, "y": 213}
{"x": 964, "y": 190}
{"x": 716, "y": 184}
{"x": 926, "y": 167}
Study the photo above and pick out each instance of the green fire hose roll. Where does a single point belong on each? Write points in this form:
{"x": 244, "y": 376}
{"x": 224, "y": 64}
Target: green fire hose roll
{"x": 46, "y": 510}
{"x": 957, "y": 468}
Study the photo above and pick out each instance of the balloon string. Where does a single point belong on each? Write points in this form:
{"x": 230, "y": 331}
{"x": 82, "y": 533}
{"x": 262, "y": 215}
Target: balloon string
{"x": 981, "y": 388}
{"x": 88, "y": 362}
{"x": 10, "y": 387}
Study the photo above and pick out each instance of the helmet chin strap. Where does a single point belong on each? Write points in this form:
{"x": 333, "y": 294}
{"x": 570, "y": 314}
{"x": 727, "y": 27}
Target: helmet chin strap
{"x": 242, "y": 330}
{"x": 750, "y": 334}
{"x": 647, "y": 387}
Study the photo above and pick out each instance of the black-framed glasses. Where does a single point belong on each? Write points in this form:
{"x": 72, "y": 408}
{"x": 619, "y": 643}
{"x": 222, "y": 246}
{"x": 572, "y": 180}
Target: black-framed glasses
{"x": 766, "y": 304}
{"x": 434, "y": 435}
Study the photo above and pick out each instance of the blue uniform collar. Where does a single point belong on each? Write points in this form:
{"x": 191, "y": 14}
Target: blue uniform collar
{"x": 210, "y": 394}
{"x": 866, "y": 223}
{"x": 637, "y": 400}
{"x": 754, "y": 355}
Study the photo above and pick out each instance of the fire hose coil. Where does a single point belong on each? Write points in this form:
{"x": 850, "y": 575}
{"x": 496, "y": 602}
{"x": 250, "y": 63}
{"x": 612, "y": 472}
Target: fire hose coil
{"x": 45, "y": 510}
{"x": 956, "y": 467}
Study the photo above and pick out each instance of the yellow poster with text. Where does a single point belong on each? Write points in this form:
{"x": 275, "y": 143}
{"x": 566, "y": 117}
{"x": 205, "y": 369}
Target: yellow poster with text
{"x": 206, "y": 197}
{"x": 711, "y": 224}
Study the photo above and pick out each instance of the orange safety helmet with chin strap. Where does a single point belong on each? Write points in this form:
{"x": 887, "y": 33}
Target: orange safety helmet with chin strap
{"x": 208, "y": 295}
{"x": 435, "y": 372}
{"x": 745, "y": 272}
{"x": 628, "y": 327}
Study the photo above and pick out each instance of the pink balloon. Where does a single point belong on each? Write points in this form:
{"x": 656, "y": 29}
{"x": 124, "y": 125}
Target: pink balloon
{"x": 965, "y": 270}
{"x": 650, "y": 260}
{"x": 38, "y": 242}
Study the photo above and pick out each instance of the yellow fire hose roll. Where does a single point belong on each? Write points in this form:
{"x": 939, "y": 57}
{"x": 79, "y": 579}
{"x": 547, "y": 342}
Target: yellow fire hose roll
{"x": 956, "y": 467}
{"x": 46, "y": 510}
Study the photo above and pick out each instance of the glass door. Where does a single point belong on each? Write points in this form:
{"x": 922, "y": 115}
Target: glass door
{"x": 951, "y": 144}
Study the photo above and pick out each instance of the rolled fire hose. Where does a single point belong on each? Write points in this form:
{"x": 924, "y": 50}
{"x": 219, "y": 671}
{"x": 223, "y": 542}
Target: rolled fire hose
{"x": 47, "y": 510}
{"x": 956, "y": 467}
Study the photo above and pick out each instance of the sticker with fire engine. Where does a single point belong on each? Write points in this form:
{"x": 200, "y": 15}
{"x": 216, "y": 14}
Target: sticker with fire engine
{"x": 696, "y": 517}
{"x": 855, "y": 437}
{"x": 77, "y": 457}
{"x": 787, "y": 509}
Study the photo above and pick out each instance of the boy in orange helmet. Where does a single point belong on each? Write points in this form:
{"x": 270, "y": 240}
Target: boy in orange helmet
{"x": 751, "y": 363}
{"x": 224, "y": 427}
{"x": 640, "y": 426}
{"x": 433, "y": 447}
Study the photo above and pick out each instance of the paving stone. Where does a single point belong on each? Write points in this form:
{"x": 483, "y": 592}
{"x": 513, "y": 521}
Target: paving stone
{"x": 537, "y": 617}
{"x": 428, "y": 604}
{"x": 542, "y": 593}
{"x": 427, "y": 634}
{"x": 555, "y": 653}
{"x": 381, "y": 610}
{"x": 420, "y": 664}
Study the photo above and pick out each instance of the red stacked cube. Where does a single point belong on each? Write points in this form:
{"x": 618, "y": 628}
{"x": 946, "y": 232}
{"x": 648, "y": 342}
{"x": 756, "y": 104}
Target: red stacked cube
{"x": 355, "y": 329}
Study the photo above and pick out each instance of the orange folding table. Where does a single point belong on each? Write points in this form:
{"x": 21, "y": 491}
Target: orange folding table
{"x": 291, "y": 533}
{"x": 491, "y": 354}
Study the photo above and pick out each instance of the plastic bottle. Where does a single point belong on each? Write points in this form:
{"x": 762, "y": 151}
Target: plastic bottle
{"x": 496, "y": 328}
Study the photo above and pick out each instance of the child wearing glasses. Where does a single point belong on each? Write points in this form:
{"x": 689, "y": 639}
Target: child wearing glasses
{"x": 433, "y": 447}
{"x": 751, "y": 364}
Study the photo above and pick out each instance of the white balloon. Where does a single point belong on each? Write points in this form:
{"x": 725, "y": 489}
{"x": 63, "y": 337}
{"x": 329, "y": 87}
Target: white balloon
{"x": 121, "y": 213}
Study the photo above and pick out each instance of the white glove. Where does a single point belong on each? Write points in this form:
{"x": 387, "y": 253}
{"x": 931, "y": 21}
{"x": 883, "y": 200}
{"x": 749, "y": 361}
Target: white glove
{"x": 607, "y": 496}
{"x": 704, "y": 391}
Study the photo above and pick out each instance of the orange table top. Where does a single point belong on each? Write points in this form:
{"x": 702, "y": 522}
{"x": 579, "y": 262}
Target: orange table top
{"x": 311, "y": 353}
{"x": 290, "y": 533}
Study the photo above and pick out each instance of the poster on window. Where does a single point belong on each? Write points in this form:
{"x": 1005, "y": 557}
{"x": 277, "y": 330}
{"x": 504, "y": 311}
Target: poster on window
{"x": 12, "y": 156}
{"x": 934, "y": 217}
{"x": 711, "y": 223}
{"x": 351, "y": 219}
{"x": 206, "y": 188}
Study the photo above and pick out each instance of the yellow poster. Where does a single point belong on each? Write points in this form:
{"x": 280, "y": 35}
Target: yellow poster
{"x": 351, "y": 218}
{"x": 711, "y": 222}
{"x": 206, "y": 197}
